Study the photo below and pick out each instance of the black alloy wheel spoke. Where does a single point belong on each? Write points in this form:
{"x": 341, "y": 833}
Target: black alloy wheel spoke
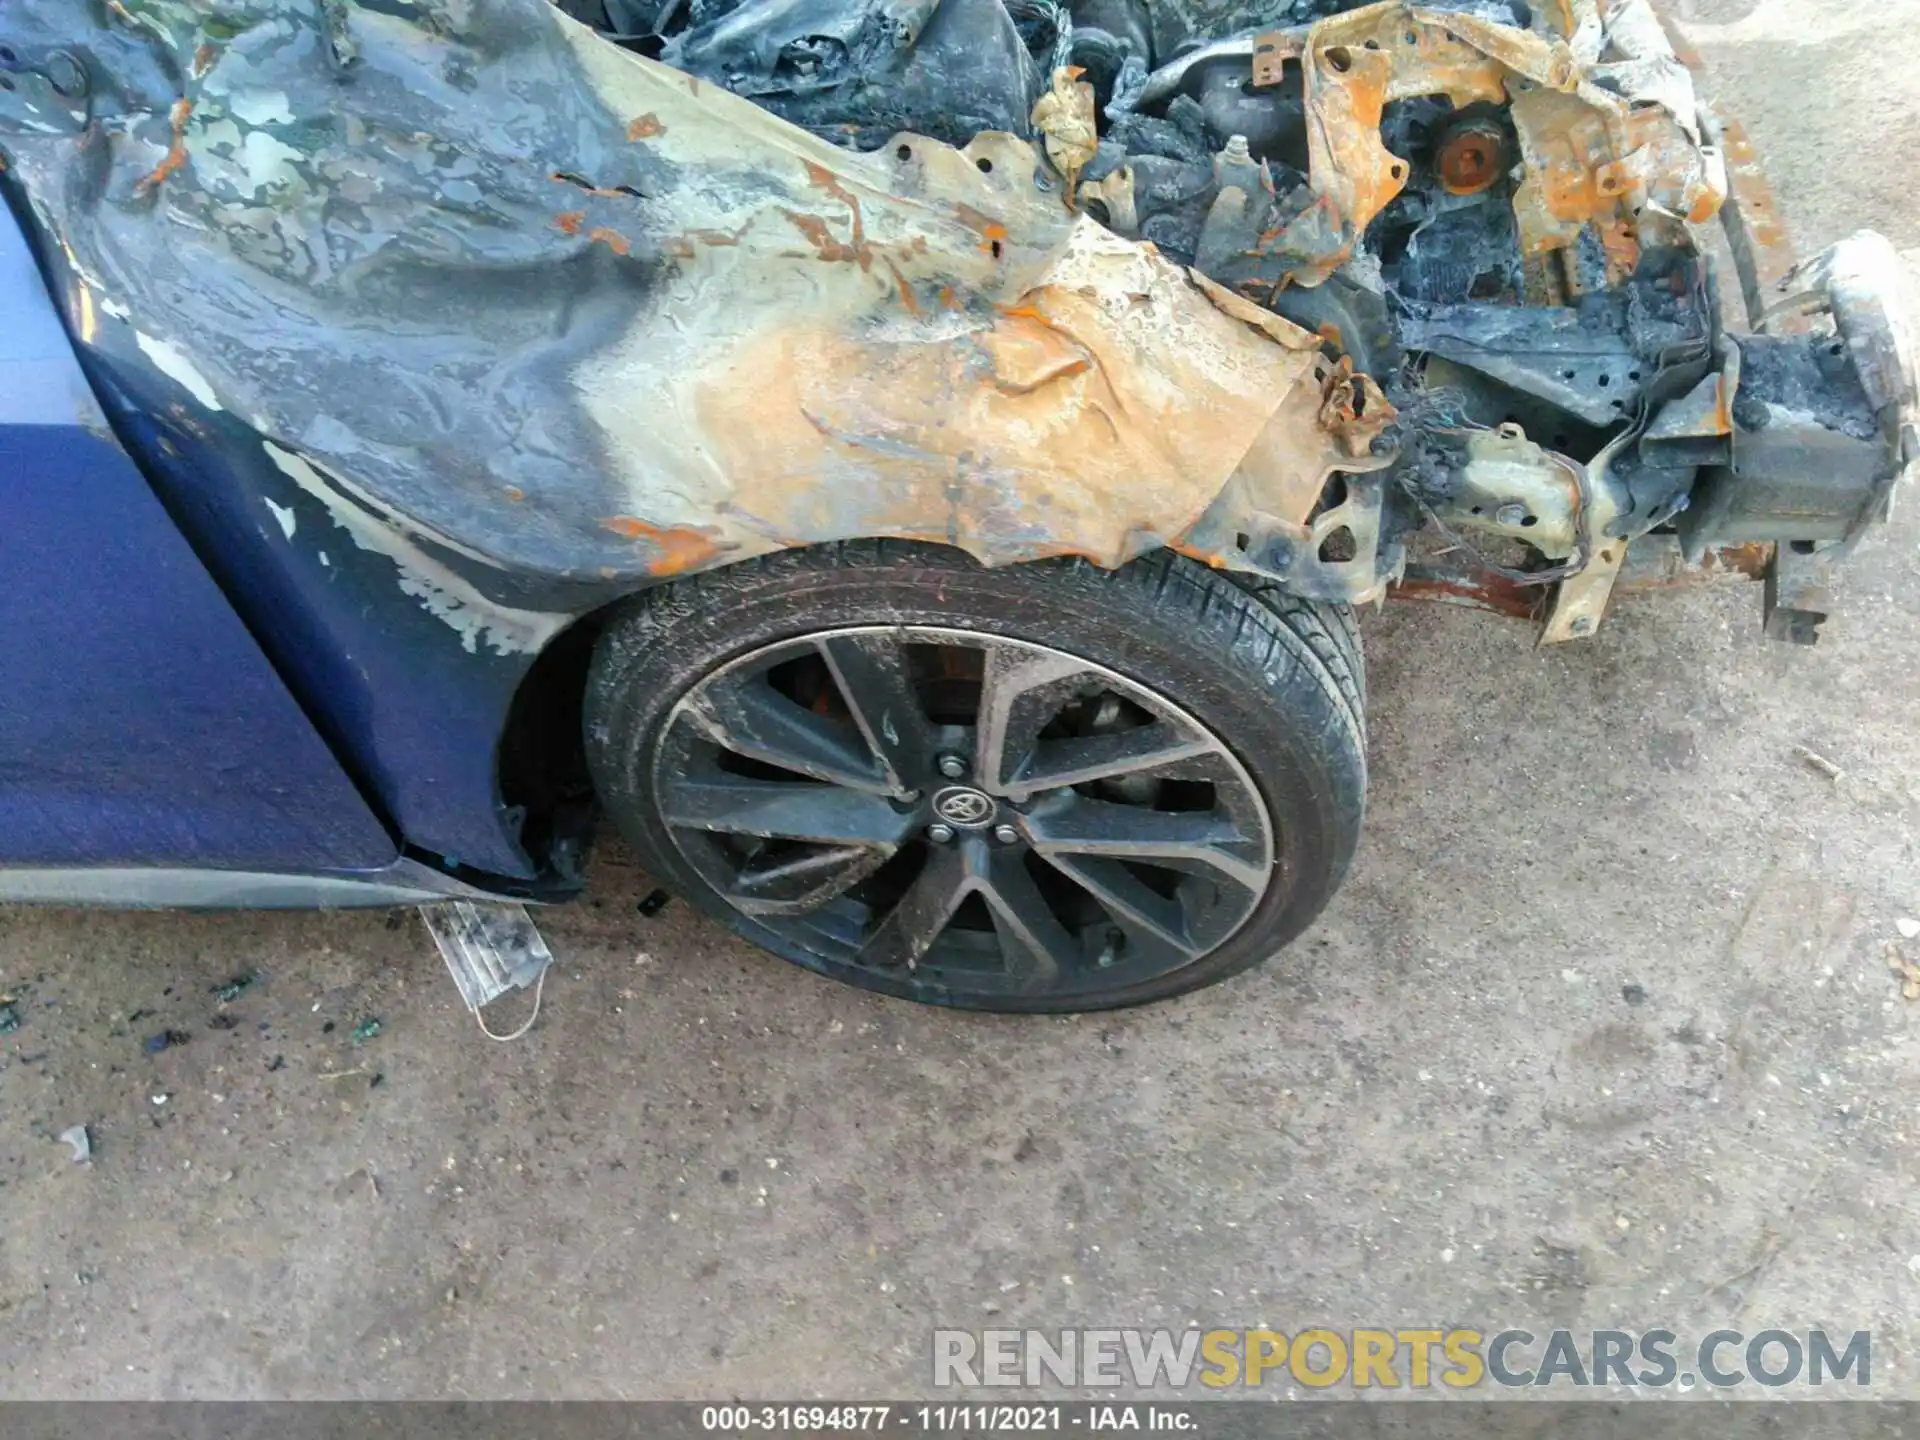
{"x": 748, "y": 716}
{"x": 1140, "y": 911}
{"x": 1074, "y": 825}
{"x": 1014, "y": 687}
{"x": 875, "y": 680}
{"x": 782, "y": 810}
{"x": 1034, "y": 944}
{"x": 797, "y": 883}
{"x": 1083, "y": 759}
{"x": 920, "y": 916}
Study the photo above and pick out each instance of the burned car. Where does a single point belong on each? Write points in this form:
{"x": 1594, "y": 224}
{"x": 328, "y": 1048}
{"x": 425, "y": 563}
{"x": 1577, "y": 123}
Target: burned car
{"x": 911, "y": 464}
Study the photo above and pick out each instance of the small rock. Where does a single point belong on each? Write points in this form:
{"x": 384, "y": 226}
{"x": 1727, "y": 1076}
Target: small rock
{"x": 9, "y": 1018}
{"x": 165, "y": 1040}
{"x": 1908, "y": 927}
{"x": 1634, "y": 994}
{"x": 76, "y": 1136}
{"x": 233, "y": 989}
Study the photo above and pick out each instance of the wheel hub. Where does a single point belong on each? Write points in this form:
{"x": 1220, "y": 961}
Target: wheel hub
{"x": 965, "y": 807}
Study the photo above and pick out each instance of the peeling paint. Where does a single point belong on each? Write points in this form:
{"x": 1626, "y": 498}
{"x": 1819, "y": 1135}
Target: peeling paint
{"x": 172, "y": 362}
{"x": 447, "y": 596}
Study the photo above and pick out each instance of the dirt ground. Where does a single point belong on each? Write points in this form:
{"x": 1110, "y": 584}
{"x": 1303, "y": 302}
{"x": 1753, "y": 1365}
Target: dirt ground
{"x": 1601, "y": 1033}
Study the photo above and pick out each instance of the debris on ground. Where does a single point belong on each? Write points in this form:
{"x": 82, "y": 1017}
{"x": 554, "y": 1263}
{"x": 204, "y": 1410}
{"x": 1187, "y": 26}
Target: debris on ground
{"x": 9, "y": 1017}
{"x": 165, "y": 1040}
{"x": 159, "y": 1097}
{"x": 233, "y": 989}
{"x": 1817, "y": 761}
{"x": 351, "y": 1183}
{"x": 223, "y": 1021}
{"x": 76, "y": 1136}
{"x": 279, "y": 1062}
{"x": 1908, "y": 927}
{"x": 1908, "y": 972}
{"x": 365, "y": 1031}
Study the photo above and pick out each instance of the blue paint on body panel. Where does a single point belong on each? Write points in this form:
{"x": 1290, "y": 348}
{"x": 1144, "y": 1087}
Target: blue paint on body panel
{"x": 139, "y": 722}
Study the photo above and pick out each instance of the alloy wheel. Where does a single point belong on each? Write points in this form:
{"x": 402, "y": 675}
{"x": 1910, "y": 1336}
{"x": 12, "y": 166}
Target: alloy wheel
{"x": 980, "y": 814}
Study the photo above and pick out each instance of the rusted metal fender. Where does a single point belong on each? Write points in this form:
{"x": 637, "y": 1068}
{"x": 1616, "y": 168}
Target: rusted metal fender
{"x": 537, "y": 305}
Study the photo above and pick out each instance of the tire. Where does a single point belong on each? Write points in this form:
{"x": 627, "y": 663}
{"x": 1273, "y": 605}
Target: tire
{"x": 1175, "y": 764}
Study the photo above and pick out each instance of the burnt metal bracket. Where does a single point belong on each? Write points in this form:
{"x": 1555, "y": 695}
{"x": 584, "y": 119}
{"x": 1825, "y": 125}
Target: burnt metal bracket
{"x": 1799, "y": 594}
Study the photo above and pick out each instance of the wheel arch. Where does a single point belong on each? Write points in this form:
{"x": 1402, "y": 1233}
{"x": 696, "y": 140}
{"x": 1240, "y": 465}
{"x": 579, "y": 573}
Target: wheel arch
{"x": 540, "y": 759}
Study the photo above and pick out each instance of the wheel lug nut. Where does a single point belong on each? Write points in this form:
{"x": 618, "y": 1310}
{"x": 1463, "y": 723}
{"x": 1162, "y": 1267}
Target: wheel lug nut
{"x": 940, "y": 834}
{"x": 1006, "y": 834}
{"x": 952, "y": 766}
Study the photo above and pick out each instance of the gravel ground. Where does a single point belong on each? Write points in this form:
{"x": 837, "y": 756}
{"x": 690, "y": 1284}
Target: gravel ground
{"x": 1600, "y": 1033}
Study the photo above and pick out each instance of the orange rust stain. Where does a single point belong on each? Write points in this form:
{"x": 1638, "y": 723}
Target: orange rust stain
{"x": 612, "y": 239}
{"x": 1270, "y": 55}
{"x": 645, "y": 127}
{"x": 515, "y": 494}
{"x": 830, "y": 247}
{"x": 680, "y": 549}
{"x": 203, "y": 59}
{"x": 992, "y": 233}
{"x": 1722, "y": 405}
{"x": 1471, "y": 160}
{"x": 1330, "y": 333}
{"x": 1353, "y": 409}
{"x": 1753, "y": 198}
{"x": 907, "y": 297}
{"x": 855, "y": 249}
{"x": 1622, "y": 249}
{"x": 568, "y": 222}
{"x": 1750, "y": 560}
{"x": 1483, "y": 591}
{"x": 176, "y": 156}
{"x": 685, "y": 247}
{"x": 822, "y": 178}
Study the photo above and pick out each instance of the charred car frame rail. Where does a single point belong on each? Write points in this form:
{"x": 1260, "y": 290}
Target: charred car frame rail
{"x": 468, "y": 345}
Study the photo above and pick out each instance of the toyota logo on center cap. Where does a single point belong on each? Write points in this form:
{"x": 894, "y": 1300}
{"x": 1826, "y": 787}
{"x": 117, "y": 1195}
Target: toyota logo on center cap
{"x": 963, "y": 805}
